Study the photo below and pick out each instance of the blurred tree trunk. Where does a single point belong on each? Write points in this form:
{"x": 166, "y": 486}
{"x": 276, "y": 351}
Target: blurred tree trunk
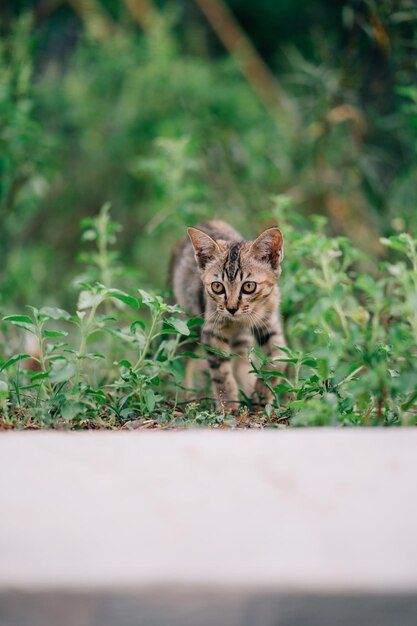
{"x": 96, "y": 20}
{"x": 250, "y": 63}
{"x": 143, "y": 11}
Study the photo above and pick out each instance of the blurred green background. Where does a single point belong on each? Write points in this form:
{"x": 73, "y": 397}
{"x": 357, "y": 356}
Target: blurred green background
{"x": 179, "y": 110}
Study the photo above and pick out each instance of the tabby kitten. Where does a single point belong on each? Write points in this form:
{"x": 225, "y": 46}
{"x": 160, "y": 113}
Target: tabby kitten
{"x": 232, "y": 284}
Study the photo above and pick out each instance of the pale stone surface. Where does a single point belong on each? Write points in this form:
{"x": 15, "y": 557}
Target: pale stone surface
{"x": 300, "y": 510}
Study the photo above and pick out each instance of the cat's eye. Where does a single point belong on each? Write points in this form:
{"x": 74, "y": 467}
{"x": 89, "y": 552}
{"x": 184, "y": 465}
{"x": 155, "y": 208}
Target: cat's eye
{"x": 217, "y": 287}
{"x": 249, "y": 286}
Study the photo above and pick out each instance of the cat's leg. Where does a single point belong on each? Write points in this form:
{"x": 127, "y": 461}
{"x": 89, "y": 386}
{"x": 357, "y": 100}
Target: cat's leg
{"x": 224, "y": 384}
{"x": 196, "y": 374}
{"x": 240, "y": 345}
{"x": 189, "y": 377}
{"x": 269, "y": 338}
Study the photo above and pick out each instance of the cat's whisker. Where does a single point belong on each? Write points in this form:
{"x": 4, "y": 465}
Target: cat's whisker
{"x": 217, "y": 320}
{"x": 259, "y": 320}
{"x": 252, "y": 322}
{"x": 211, "y": 316}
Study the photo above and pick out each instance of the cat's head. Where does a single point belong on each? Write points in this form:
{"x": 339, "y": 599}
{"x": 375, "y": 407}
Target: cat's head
{"x": 239, "y": 276}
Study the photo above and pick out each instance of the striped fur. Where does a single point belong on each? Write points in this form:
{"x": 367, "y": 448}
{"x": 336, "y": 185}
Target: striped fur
{"x": 215, "y": 254}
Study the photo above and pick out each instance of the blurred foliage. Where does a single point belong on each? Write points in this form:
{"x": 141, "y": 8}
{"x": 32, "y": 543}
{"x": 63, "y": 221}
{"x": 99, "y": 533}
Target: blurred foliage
{"x": 157, "y": 121}
{"x": 353, "y": 335}
{"x": 119, "y": 356}
{"x": 84, "y": 122}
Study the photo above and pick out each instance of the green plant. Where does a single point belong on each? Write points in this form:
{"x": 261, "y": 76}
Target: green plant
{"x": 25, "y": 152}
{"x": 75, "y": 381}
{"x": 353, "y": 357}
{"x": 171, "y": 135}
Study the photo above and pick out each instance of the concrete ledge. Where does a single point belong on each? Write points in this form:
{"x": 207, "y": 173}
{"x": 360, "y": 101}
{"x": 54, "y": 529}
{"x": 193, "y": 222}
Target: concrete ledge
{"x": 161, "y": 607}
{"x": 315, "y": 513}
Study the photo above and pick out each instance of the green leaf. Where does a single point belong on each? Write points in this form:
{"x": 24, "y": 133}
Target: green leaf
{"x": 195, "y": 321}
{"x": 71, "y": 410}
{"x": 270, "y": 373}
{"x": 150, "y": 400}
{"x": 54, "y": 313}
{"x": 309, "y": 362}
{"x": 18, "y": 318}
{"x": 137, "y": 323}
{"x": 281, "y": 387}
{"x": 55, "y": 333}
{"x": 147, "y": 298}
{"x": 98, "y": 395}
{"x": 396, "y": 242}
{"x": 62, "y": 371}
{"x": 412, "y": 399}
{"x": 31, "y": 386}
{"x": 284, "y": 349}
{"x": 179, "y": 325}
{"x": 264, "y": 373}
{"x": 87, "y": 299}
{"x": 89, "y": 235}
{"x": 125, "y": 363}
{"x": 323, "y": 368}
{"x": 125, "y": 298}
{"x": 39, "y": 376}
{"x": 94, "y": 356}
{"x": 282, "y": 360}
{"x": 4, "y": 390}
{"x": 14, "y": 359}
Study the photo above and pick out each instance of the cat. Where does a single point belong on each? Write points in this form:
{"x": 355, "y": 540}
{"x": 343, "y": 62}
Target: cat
{"x": 215, "y": 273}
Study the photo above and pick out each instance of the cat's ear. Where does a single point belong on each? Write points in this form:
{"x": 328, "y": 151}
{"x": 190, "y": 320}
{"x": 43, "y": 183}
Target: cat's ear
{"x": 269, "y": 247}
{"x": 205, "y": 247}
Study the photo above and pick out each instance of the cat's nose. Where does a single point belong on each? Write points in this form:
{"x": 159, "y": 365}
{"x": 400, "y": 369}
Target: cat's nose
{"x": 232, "y": 309}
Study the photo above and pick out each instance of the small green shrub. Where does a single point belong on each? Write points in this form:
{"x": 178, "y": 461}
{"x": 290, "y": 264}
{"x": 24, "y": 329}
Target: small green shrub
{"x": 170, "y": 137}
{"x": 352, "y": 358}
{"x": 107, "y": 361}
{"x": 353, "y": 335}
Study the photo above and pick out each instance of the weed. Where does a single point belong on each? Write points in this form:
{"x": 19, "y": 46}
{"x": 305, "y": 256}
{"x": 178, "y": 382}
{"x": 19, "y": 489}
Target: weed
{"x": 352, "y": 360}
